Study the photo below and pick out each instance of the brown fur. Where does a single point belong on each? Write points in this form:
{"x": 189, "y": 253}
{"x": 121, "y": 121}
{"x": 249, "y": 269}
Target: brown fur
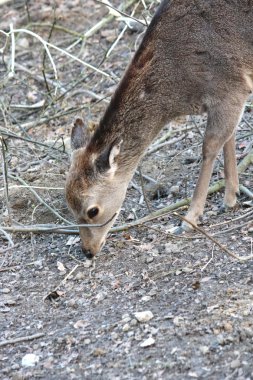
{"x": 196, "y": 56}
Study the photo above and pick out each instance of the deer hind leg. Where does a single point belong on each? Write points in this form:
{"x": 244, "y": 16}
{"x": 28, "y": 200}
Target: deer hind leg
{"x": 221, "y": 125}
{"x": 231, "y": 174}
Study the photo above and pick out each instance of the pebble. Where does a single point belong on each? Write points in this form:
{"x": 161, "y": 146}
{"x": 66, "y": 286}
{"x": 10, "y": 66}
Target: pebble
{"x": 100, "y": 296}
{"x": 126, "y": 327}
{"x": 5, "y": 290}
{"x": 174, "y": 189}
{"x": 171, "y": 248}
{"x": 178, "y": 320}
{"x": 235, "y": 364}
{"x": 29, "y": 360}
{"x": 149, "y": 259}
{"x": 204, "y": 349}
{"x": 148, "y": 342}
{"x": 144, "y": 316}
{"x": 99, "y": 352}
{"x": 228, "y": 327}
{"x": 72, "y": 303}
{"x": 146, "y": 298}
{"x": 114, "y": 336}
{"x": 221, "y": 339}
{"x": 80, "y": 276}
{"x": 133, "y": 322}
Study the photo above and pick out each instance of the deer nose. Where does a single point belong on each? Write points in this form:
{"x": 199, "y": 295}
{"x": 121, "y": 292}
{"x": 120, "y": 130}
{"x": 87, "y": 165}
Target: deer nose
{"x": 87, "y": 253}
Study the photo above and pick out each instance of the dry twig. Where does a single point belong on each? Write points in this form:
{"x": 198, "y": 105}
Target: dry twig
{"x": 21, "y": 339}
{"x": 203, "y": 232}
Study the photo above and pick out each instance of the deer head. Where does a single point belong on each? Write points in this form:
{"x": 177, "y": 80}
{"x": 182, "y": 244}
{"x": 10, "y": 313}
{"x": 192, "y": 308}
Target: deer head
{"x": 95, "y": 189}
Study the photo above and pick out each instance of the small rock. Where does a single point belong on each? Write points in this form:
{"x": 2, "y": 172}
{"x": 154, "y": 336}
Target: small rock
{"x": 125, "y": 316}
{"x": 133, "y": 322}
{"x": 99, "y": 352}
{"x": 221, "y": 339}
{"x": 38, "y": 264}
{"x": 10, "y": 302}
{"x": 149, "y": 259}
{"x": 73, "y": 239}
{"x": 100, "y": 297}
{"x": 81, "y": 324}
{"x": 148, "y": 342}
{"x": 15, "y": 366}
{"x": 23, "y": 43}
{"x": 156, "y": 191}
{"x": 126, "y": 327}
{"x": 80, "y": 276}
{"x": 4, "y": 309}
{"x": 171, "y": 248}
{"x": 146, "y": 298}
{"x": 72, "y": 303}
{"x": 32, "y": 96}
{"x": 126, "y": 320}
{"x": 178, "y": 320}
{"x": 193, "y": 374}
{"x": 235, "y": 364}
{"x": 87, "y": 341}
{"x": 174, "y": 189}
{"x": 228, "y": 327}
{"x": 5, "y": 290}
{"x": 114, "y": 335}
{"x": 144, "y": 316}
{"x": 204, "y": 349}
{"x": 29, "y": 360}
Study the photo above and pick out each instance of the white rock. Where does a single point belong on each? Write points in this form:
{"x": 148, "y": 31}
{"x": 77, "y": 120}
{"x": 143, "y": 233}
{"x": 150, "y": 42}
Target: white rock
{"x": 146, "y": 298}
{"x": 29, "y": 360}
{"x": 144, "y": 316}
{"x": 126, "y": 327}
{"x": 178, "y": 320}
{"x": 148, "y": 342}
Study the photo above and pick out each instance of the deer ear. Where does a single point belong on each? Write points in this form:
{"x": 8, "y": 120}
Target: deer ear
{"x": 80, "y": 135}
{"x": 107, "y": 161}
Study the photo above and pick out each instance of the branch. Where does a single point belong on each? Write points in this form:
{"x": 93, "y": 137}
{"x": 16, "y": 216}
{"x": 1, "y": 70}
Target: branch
{"x": 203, "y": 232}
{"x": 21, "y": 339}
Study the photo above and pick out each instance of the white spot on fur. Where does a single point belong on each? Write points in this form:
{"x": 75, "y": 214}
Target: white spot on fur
{"x": 142, "y": 95}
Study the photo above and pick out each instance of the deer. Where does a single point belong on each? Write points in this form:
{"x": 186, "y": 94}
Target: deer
{"x": 195, "y": 57}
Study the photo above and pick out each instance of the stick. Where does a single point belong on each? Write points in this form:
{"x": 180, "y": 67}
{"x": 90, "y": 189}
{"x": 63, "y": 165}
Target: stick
{"x": 104, "y": 21}
{"x": 119, "y": 13}
{"x": 61, "y": 283}
{"x": 5, "y": 176}
{"x": 246, "y": 191}
{"x": 154, "y": 215}
{"x": 21, "y": 339}
{"x": 203, "y": 232}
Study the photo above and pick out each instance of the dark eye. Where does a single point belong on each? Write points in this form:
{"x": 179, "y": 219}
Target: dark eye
{"x": 92, "y": 212}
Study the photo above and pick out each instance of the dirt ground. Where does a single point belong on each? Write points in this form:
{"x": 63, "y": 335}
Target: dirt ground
{"x": 64, "y": 317}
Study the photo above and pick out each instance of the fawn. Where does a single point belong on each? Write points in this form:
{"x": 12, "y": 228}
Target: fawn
{"x": 195, "y": 57}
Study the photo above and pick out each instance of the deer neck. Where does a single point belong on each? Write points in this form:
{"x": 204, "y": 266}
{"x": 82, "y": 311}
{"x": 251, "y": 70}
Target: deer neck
{"x": 132, "y": 116}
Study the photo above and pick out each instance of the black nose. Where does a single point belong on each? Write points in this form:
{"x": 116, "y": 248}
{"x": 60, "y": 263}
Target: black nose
{"x": 87, "y": 253}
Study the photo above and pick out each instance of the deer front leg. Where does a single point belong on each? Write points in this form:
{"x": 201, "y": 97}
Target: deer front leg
{"x": 210, "y": 150}
{"x": 231, "y": 174}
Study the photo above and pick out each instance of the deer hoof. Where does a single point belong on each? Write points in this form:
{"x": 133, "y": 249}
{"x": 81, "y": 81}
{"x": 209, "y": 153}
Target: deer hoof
{"x": 225, "y": 208}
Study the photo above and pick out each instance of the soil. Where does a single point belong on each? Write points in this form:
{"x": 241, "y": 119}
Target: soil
{"x": 76, "y": 318}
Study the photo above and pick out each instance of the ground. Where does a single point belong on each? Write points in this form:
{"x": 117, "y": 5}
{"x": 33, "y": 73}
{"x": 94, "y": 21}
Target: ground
{"x": 76, "y": 318}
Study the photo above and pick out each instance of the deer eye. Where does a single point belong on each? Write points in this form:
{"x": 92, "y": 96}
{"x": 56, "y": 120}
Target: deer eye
{"x": 92, "y": 212}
